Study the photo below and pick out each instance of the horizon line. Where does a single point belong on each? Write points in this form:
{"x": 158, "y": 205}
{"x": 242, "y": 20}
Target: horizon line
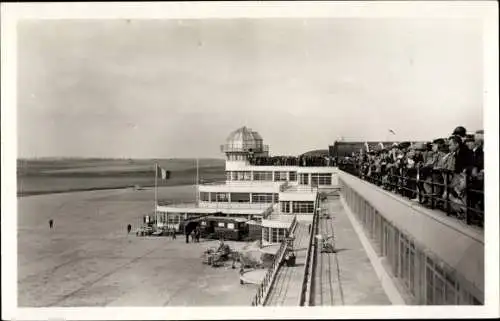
{"x": 112, "y": 158}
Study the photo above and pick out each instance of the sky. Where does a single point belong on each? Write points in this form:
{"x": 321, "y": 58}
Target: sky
{"x": 177, "y": 88}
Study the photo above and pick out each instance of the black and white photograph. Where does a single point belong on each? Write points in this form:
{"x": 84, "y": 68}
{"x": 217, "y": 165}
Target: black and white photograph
{"x": 270, "y": 160}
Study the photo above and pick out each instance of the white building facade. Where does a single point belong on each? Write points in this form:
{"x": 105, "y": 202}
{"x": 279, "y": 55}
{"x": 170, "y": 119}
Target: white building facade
{"x": 269, "y": 194}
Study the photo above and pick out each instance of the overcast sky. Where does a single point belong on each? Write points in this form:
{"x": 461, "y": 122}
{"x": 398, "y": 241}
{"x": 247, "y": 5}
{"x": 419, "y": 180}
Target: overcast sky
{"x": 176, "y": 88}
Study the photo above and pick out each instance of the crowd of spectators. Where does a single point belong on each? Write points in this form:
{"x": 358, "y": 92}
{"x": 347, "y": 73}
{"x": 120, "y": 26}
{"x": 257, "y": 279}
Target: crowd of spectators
{"x": 303, "y": 160}
{"x": 447, "y": 173}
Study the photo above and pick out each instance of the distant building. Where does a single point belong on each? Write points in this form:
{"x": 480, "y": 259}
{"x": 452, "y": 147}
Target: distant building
{"x": 342, "y": 149}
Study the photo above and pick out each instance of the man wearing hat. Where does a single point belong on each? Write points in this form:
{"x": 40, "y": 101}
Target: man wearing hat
{"x": 404, "y": 145}
{"x": 463, "y": 155}
{"x": 415, "y": 161}
{"x": 469, "y": 141}
{"x": 460, "y": 161}
{"x": 430, "y": 169}
{"x": 477, "y": 150}
{"x": 460, "y": 131}
{"x": 477, "y": 182}
{"x": 391, "y": 166}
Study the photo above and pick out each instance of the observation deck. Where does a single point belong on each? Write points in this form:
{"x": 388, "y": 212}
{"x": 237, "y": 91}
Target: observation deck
{"x": 388, "y": 251}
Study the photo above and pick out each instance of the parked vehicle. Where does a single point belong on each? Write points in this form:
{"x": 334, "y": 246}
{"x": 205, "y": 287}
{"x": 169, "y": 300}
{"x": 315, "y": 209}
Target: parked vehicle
{"x": 144, "y": 230}
{"x": 227, "y": 228}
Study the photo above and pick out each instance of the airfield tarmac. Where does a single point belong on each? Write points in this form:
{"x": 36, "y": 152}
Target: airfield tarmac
{"x": 89, "y": 260}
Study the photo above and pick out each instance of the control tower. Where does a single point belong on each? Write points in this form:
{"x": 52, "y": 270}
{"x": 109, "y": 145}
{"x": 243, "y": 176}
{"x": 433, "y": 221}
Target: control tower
{"x": 243, "y": 144}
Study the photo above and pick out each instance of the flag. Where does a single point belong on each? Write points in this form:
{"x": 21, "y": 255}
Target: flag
{"x": 392, "y": 132}
{"x": 163, "y": 173}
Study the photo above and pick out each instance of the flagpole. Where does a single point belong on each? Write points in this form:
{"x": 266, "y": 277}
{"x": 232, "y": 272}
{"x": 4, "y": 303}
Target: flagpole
{"x": 156, "y": 193}
{"x": 197, "y": 181}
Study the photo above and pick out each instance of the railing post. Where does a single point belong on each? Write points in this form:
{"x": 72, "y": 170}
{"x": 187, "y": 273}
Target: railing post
{"x": 419, "y": 191}
{"x": 447, "y": 200}
{"x": 433, "y": 190}
{"x": 467, "y": 202}
{"x": 400, "y": 181}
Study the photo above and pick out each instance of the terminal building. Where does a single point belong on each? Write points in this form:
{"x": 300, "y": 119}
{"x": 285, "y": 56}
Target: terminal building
{"x": 432, "y": 258}
{"x": 266, "y": 195}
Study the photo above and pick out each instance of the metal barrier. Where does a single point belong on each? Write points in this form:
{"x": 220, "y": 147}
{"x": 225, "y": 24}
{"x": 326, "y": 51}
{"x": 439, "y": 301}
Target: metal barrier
{"x": 265, "y": 287}
{"x": 247, "y": 182}
{"x": 234, "y": 205}
{"x": 310, "y": 265}
{"x": 450, "y": 192}
{"x": 314, "y": 161}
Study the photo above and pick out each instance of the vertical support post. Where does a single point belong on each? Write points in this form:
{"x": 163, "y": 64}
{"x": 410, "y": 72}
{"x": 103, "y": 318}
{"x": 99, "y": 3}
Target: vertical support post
{"x": 467, "y": 202}
{"x": 419, "y": 190}
{"x": 433, "y": 190}
{"x": 447, "y": 189}
{"x": 197, "y": 181}
{"x": 156, "y": 194}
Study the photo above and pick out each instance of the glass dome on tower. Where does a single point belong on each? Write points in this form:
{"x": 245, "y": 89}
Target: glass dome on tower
{"x": 244, "y": 140}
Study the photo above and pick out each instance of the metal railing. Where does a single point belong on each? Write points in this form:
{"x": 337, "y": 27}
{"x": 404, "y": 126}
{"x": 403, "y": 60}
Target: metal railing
{"x": 244, "y": 148}
{"x": 265, "y": 287}
{"x": 292, "y": 161}
{"x": 300, "y": 188}
{"x": 456, "y": 194}
{"x": 234, "y": 205}
{"x": 243, "y": 183}
{"x": 310, "y": 265}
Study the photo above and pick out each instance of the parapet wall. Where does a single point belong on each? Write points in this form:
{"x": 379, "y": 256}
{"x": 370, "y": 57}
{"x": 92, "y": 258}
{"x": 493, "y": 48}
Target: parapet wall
{"x": 438, "y": 259}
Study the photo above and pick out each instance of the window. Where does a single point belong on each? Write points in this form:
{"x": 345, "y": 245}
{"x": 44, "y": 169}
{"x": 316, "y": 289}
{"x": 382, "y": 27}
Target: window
{"x": 228, "y": 176}
{"x": 240, "y": 197}
{"x": 277, "y": 235}
{"x": 280, "y": 176}
{"x": 220, "y": 224}
{"x": 430, "y": 284}
{"x": 276, "y": 198}
{"x": 241, "y": 176}
{"x": 204, "y": 196}
{"x": 221, "y": 197}
{"x": 237, "y": 157}
{"x": 262, "y": 198}
{"x": 265, "y": 234}
{"x": 285, "y": 207}
{"x": 230, "y": 225}
{"x": 302, "y": 207}
{"x": 274, "y": 235}
{"x": 204, "y": 223}
{"x": 293, "y": 176}
{"x": 173, "y": 219}
{"x": 263, "y": 176}
{"x": 304, "y": 179}
{"x": 412, "y": 270}
{"x": 450, "y": 292}
{"x": 321, "y": 179}
{"x": 438, "y": 290}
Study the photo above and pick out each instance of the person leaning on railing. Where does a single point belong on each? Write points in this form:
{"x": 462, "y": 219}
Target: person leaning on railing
{"x": 430, "y": 172}
{"x": 476, "y": 182}
{"x": 446, "y": 173}
{"x": 459, "y": 165}
{"x": 392, "y": 167}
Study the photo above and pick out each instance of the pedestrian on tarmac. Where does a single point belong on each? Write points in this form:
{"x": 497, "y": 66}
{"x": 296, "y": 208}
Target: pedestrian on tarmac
{"x": 51, "y": 223}
{"x": 129, "y": 228}
{"x": 242, "y": 271}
